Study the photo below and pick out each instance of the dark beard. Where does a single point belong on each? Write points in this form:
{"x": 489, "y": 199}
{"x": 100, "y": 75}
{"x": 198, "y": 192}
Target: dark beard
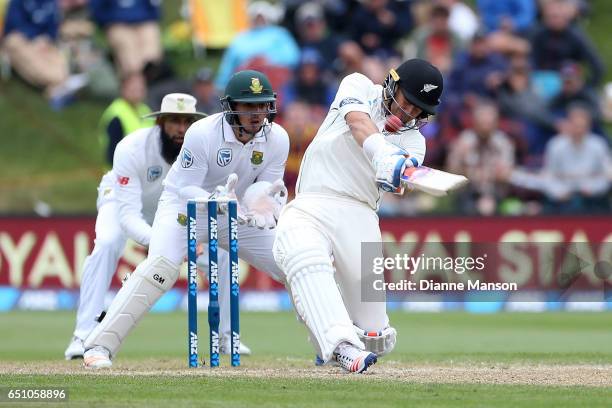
{"x": 169, "y": 149}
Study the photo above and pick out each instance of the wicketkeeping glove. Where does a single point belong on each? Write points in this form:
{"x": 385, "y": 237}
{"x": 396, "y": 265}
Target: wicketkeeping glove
{"x": 228, "y": 191}
{"x": 263, "y": 202}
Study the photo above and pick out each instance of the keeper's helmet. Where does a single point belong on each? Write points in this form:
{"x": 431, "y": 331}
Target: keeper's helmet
{"x": 421, "y": 84}
{"x": 251, "y": 87}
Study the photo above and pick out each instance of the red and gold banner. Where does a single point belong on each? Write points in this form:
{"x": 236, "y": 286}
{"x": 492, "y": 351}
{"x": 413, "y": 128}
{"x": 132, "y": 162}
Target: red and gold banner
{"x": 49, "y": 253}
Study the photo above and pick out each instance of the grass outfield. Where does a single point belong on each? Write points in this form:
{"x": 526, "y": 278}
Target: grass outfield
{"x": 441, "y": 360}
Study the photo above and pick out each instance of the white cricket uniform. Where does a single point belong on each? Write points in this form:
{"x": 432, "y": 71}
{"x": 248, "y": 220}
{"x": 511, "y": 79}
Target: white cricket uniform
{"x": 209, "y": 155}
{"x": 127, "y": 200}
{"x": 333, "y": 213}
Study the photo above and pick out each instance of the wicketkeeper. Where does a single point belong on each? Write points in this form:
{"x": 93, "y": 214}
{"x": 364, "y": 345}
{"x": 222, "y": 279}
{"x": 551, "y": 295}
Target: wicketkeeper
{"x": 237, "y": 152}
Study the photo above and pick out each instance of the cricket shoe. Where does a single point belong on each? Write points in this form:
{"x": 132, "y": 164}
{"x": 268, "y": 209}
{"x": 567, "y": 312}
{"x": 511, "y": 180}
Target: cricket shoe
{"x": 75, "y": 349}
{"x": 97, "y": 357}
{"x": 226, "y": 347}
{"x": 353, "y": 359}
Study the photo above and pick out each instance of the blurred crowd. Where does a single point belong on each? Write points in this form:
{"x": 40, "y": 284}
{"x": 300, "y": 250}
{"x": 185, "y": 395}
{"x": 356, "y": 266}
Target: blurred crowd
{"x": 523, "y": 114}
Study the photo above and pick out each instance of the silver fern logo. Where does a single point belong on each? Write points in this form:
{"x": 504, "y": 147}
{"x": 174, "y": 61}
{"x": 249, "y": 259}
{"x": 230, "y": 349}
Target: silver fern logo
{"x": 428, "y": 87}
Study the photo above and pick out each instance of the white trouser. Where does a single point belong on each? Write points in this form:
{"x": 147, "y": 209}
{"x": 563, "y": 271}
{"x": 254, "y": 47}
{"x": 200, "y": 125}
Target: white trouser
{"x": 331, "y": 229}
{"x": 101, "y": 264}
{"x": 159, "y": 272}
{"x": 169, "y": 237}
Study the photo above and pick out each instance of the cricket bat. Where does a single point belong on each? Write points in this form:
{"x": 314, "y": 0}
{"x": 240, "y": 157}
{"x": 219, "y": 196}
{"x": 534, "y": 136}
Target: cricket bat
{"x": 435, "y": 182}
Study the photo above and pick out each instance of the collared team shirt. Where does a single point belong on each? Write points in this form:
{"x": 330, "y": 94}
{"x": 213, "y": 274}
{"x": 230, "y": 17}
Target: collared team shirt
{"x": 334, "y": 163}
{"x": 211, "y": 153}
{"x": 138, "y": 171}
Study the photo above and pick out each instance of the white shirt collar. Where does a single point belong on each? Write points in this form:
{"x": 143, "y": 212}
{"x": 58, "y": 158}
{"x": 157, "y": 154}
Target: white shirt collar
{"x": 230, "y": 137}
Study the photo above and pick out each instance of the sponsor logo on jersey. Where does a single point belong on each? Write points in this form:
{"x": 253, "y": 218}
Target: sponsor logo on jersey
{"x": 224, "y": 157}
{"x": 181, "y": 219}
{"x": 186, "y": 159}
{"x": 153, "y": 173}
{"x": 350, "y": 101}
{"x": 123, "y": 180}
{"x": 257, "y": 157}
{"x": 256, "y": 86}
{"x": 107, "y": 191}
{"x": 428, "y": 87}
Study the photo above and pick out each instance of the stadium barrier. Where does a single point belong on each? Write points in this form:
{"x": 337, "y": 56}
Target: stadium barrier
{"x": 41, "y": 261}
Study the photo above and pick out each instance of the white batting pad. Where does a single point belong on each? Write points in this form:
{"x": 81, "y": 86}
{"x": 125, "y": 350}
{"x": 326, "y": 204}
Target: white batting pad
{"x": 316, "y": 298}
{"x": 151, "y": 279}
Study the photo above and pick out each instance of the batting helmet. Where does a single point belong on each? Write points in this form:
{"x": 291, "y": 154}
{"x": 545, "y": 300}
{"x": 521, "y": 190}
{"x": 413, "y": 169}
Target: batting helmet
{"x": 420, "y": 82}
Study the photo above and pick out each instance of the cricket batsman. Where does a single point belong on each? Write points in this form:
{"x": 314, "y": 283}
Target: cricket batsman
{"x": 238, "y": 153}
{"x": 369, "y": 137}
